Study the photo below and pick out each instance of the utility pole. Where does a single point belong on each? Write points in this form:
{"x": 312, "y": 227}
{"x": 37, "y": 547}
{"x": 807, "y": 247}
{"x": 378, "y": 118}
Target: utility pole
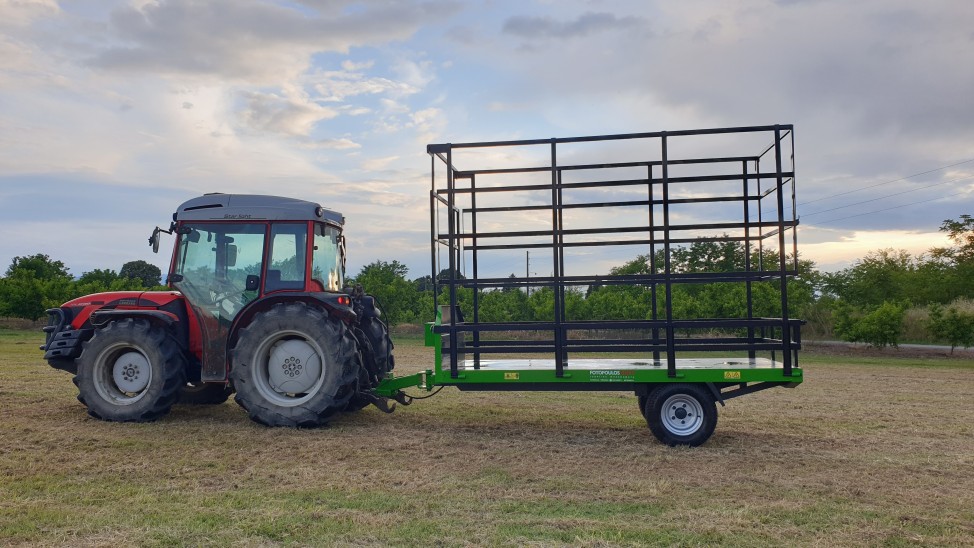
{"x": 527, "y": 271}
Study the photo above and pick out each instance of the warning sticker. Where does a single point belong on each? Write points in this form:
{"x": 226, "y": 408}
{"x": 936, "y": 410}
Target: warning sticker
{"x": 512, "y": 376}
{"x": 732, "y": 374}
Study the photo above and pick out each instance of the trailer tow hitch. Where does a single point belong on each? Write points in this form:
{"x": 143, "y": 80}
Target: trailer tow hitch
{"x": 383, "y": 404}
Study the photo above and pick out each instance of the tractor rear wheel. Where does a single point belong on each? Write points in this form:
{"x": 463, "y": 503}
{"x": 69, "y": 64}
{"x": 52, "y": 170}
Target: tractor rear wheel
{"x": 681, "y": 414}
{"x": 294, "y": 365}
{"x": 130, "y": 371}
{"x": 205, "y": 393}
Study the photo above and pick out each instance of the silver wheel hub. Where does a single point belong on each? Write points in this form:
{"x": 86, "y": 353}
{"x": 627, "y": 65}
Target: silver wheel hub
{"x": 293, "y": 367}
{"x": 682, "y": 414}
{"x": 131, "y": 372}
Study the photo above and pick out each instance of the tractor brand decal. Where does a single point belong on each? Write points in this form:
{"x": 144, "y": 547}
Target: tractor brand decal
{"x": 611, "y": 375}
{"x": 512, "y": 376}
{"x": 732, "y": 374}
{"x": 237, "y": 216}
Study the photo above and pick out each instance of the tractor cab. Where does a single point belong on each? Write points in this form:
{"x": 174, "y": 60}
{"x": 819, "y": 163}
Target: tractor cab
{"x": 233, "y": 251}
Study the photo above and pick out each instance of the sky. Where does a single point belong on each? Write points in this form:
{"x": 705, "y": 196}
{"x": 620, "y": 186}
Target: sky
{"x": 112, "y": 113}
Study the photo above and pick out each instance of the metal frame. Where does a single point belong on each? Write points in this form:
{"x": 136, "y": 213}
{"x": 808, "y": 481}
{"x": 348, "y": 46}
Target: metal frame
{"x": 761, "y": 216}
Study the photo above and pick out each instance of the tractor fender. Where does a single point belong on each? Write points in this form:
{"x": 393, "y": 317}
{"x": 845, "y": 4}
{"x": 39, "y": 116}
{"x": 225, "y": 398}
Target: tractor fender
{"x": 370, "y": 307}
{"x": 327, "y": 301}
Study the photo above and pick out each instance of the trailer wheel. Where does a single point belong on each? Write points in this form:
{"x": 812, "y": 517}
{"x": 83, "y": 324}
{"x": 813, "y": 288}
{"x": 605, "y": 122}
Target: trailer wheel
{"x": 205, "y": 393}
{"x": 130, "y": 371}
{"x": 642, "y": 404}
{"x": 294, "y": 366}
{"x": 681, "y": 414}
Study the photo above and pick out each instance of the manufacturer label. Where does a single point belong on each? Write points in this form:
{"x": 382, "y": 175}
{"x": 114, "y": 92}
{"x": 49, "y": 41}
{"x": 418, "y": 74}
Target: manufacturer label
{"x": 732, "y": 374}
{"x": 611, "y": 375}
{"x": 512, "y": 376}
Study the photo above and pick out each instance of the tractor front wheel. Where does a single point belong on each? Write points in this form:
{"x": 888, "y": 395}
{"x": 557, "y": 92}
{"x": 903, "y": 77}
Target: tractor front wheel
{"x": 130, "y": 371}
{"x": 294, "y": 365}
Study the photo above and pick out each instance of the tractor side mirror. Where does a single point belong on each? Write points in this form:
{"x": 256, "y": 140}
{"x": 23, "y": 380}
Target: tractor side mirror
{"x": 154, "y": 240}
{"x": 231, "y": 256}
{"x": 252, "y": 283}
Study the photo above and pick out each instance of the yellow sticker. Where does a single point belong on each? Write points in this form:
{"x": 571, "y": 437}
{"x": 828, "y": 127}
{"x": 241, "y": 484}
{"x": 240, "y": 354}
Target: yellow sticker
{"x": 511, "y": 376}
{"x": 732, "y": 374}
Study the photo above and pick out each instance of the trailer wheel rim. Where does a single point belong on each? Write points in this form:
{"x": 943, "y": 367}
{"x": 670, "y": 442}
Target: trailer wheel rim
{"x": 299, "y": 364}
{"x": 682, "y": 414}
{"x": 122, "y": 374}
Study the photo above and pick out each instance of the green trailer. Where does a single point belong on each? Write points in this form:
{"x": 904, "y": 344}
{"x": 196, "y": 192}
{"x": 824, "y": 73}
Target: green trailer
{"x": 691, "y": 211}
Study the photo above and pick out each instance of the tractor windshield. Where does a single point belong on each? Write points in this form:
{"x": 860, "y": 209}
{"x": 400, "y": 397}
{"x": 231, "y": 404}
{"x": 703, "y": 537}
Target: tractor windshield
{"x": 214, "y": 261}
{"x": 327, "y": 266}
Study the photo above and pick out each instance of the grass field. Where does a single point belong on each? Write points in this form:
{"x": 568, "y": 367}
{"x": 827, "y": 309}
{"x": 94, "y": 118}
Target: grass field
{"x": 861, "y": 454}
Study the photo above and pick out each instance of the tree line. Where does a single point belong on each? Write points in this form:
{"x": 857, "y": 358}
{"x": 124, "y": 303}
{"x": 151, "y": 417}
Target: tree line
{"x": 884, "y": 297}
{"x": 34, "y": 283}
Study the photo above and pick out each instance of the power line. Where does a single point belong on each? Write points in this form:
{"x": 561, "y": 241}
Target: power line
{"x": 889, "y": 208}
{"x": 887, "y": 182}
{"x": 889, "y": 195}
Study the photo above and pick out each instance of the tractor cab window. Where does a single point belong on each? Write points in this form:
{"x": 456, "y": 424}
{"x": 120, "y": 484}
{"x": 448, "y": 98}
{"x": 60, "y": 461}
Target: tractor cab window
{"x": 289, "y": 244}
{"x": 213, "y": 263}
{"x": 327, "y": 267}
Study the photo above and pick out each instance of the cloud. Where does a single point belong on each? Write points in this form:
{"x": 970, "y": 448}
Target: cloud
{"x": 246, "y": 39}
{"x": 295, "y": 115}
{"x": 584, "y": 25}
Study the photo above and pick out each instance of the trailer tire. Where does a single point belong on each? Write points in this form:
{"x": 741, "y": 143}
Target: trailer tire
{"x": 294, "y": 365}
{"x": 130, "y": 371}
{"x": 205, "y": 393}
{"x": 681, "y": 414}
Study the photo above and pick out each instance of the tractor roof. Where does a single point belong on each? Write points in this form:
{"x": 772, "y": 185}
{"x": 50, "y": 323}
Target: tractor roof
{"x": 235, "y": 207}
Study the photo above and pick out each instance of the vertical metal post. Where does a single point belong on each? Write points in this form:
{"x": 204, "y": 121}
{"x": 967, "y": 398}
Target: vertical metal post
{"x": 451, "y": 276}
{"x": 556, "y": 261}
{"x": 561, "y": 284}
{"x": 670, "y": 331}
{"x": 476, "y": 272}
{"x": 747, "y": 262}
{"x": 652, "y": 262}
{"x": 434, "y": 209}
{"x": 794, "y": 204}
{"x": 782, "y": 256}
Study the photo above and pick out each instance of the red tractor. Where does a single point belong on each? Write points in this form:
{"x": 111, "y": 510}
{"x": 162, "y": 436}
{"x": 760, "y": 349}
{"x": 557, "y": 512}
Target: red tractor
{"x": 258, "y": 307}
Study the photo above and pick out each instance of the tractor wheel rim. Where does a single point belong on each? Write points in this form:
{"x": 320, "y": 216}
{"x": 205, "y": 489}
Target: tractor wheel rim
{"x": 682, "y": 414}
{"x": 122, "y": 374}
{"x": 264, "y": 380}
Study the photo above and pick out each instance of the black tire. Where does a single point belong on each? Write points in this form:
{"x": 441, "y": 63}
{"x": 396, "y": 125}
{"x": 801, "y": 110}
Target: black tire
{"x": 130, "y": 371}
{"x": 376, "y": 354}
{"x": 378, "y": 335}
{"x": 205, "y": 393}
{"x": 312, "y": 355}
{"x": 691, "y": 414}
{"x": 641, "y": 400}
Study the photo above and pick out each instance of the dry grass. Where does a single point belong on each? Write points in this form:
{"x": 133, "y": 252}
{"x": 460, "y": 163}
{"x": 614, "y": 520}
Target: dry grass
{"x": 858, "y": 455}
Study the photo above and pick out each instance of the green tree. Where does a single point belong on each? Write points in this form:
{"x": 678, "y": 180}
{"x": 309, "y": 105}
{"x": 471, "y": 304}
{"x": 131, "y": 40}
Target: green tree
{"x": 33, "y": 284}
{"x": 952, "y": 325}
{"x": 386, "y": 281}
{"x": 880, "y": 327}
{"x": 880, "y": 276}
{"x": 149, "y": 274}
{"x": 102, "y": 280}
